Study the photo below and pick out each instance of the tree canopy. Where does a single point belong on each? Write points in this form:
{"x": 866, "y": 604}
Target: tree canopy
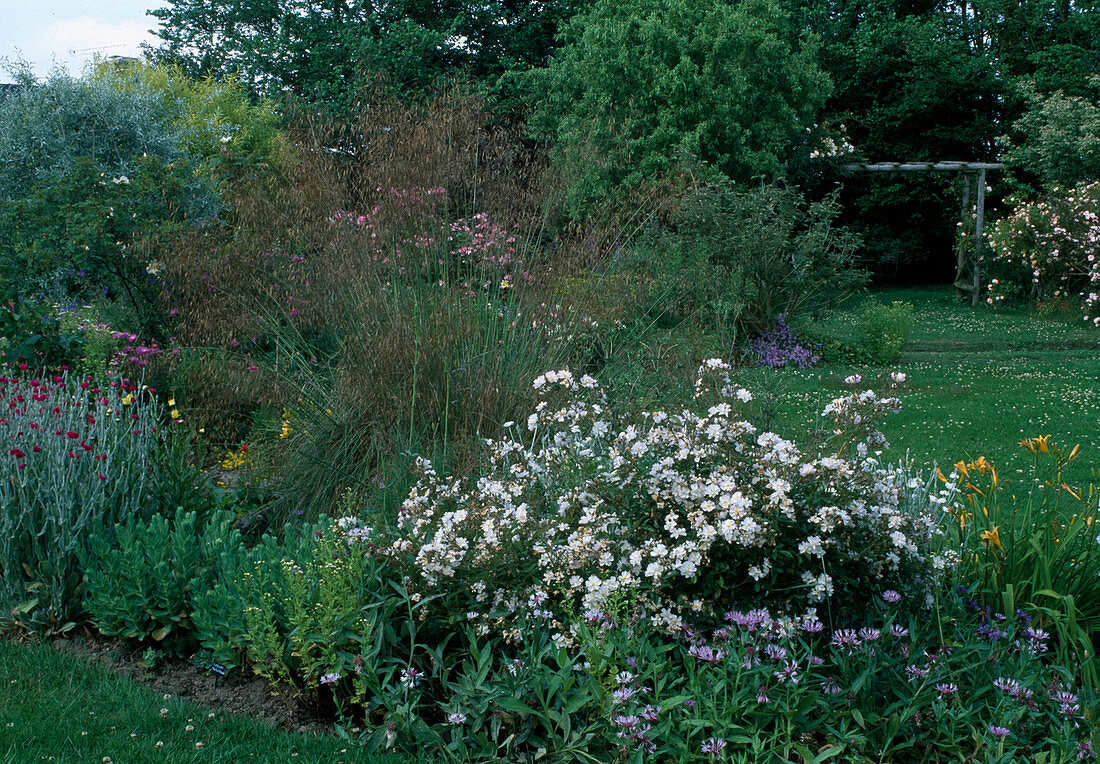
{"x": 642, "y": 84}
{"x": 319, "y": 49}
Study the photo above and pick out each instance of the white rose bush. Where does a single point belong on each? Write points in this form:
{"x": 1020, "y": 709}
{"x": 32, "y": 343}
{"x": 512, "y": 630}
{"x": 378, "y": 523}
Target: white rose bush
{"x": 691, "y": 512}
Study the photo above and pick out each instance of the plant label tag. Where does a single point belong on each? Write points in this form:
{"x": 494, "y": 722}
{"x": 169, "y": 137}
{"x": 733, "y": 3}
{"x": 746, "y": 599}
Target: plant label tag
{"x": 217, "y": 668}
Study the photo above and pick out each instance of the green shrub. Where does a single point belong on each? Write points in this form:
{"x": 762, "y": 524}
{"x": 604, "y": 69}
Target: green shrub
{"x": 884, "y": 329}
{"x": 78, "y": 458}
{"x": 33, "y": 333}
{"x": 142, "y": 576}
{"x": 46, "y": 128}
{"x": 1045, "y": 251}
{"x": 771, "y": 252}
{"x": 98, "y": 174}
{"x": 836, "y": 349}
{"x": 218, "y": 126}
{"x": 88, "y": 235}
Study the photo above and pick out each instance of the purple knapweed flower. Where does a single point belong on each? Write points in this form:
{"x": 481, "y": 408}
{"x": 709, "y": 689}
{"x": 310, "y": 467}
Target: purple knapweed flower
{"x": 706, "y": 653}
{"x": 789, "y": 673}
{"x": 622, "y": 695}
{"x": 713, "y": 745}
{"x": 846, "y": 639}
{"x": 627, "y": 722}
{"x": 775, "y": 652}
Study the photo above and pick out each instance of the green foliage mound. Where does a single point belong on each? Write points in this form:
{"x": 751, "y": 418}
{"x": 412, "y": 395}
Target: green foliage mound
{"x": 98, "y": 174}
{"x": 641, "y": 85}
{"x": 768, "y": 251}
{"x": 884, "y": 329}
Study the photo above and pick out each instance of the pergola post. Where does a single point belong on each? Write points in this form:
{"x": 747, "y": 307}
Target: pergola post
{"x": 960, "y": 246}
{"x": 978, "y": 241}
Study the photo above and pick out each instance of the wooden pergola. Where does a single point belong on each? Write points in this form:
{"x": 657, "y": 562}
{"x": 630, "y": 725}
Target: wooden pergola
{"x": 971, "y": 172}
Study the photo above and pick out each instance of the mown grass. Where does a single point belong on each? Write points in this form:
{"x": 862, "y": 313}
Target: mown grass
{"x": 979, "y": 381}
{"x": 55, "y": 707}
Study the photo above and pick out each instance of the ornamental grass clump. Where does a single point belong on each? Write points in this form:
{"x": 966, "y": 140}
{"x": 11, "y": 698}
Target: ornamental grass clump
{"x": 76, "y": 457}
{"x": 692, "y": 512}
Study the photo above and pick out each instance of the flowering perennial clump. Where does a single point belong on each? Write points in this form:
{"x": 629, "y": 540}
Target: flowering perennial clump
{"x": 689, "y": 512}
{"x": 1050, "y": 249}
{"x": 77, "y": 454}
{"x": 779, "y": 347}
{"x": 410, "y": 224}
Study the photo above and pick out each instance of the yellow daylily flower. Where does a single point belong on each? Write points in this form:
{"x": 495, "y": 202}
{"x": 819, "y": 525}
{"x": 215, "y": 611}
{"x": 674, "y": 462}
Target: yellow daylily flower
{"x": 992, "y": 537}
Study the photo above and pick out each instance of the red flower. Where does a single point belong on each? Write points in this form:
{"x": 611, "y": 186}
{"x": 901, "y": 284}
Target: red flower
{"x": 73, "y": 435}
{"x": 17, "y": 453}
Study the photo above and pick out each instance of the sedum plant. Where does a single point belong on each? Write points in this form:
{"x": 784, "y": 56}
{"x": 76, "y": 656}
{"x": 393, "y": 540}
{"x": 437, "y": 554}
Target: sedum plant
{"x": 142, "y": 576}
{"x": 76, "y": 457}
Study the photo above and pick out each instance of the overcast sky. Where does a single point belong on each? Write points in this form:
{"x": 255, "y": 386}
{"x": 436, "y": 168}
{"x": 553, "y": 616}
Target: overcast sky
{"x": 72, "y": 32}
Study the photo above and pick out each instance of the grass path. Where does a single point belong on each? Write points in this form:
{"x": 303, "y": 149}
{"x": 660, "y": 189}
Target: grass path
{"x": 54, "y": 707}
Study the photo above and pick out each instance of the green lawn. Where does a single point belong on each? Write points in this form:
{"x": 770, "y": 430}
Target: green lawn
{"x": 54, "y": 707}
{"x": 979, "y": 381}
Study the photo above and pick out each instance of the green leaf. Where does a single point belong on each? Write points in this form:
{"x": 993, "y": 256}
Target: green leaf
{"x": 859, "y": 718}
{"x": 161, "y": 633}
{"x": 515, "y": 705}
{"x": 25, "y": 607}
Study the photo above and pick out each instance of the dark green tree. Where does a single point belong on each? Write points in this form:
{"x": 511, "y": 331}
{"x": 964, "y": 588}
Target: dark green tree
{"x": 643, "y": 84}
{"x": 321, "y": 50}
{"x": 929, "y": 79}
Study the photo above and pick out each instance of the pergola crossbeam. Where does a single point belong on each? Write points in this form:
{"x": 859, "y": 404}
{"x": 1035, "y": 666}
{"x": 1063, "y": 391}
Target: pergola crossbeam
{"x": 920, "y": 166}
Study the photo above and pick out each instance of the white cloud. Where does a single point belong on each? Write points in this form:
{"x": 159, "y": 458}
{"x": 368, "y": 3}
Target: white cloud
{"x": 75, "y": 42}
{"x": 72, "y": 32}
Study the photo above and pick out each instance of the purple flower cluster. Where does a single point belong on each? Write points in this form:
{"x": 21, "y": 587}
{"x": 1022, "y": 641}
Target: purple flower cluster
{"x": 780, "y": 347}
